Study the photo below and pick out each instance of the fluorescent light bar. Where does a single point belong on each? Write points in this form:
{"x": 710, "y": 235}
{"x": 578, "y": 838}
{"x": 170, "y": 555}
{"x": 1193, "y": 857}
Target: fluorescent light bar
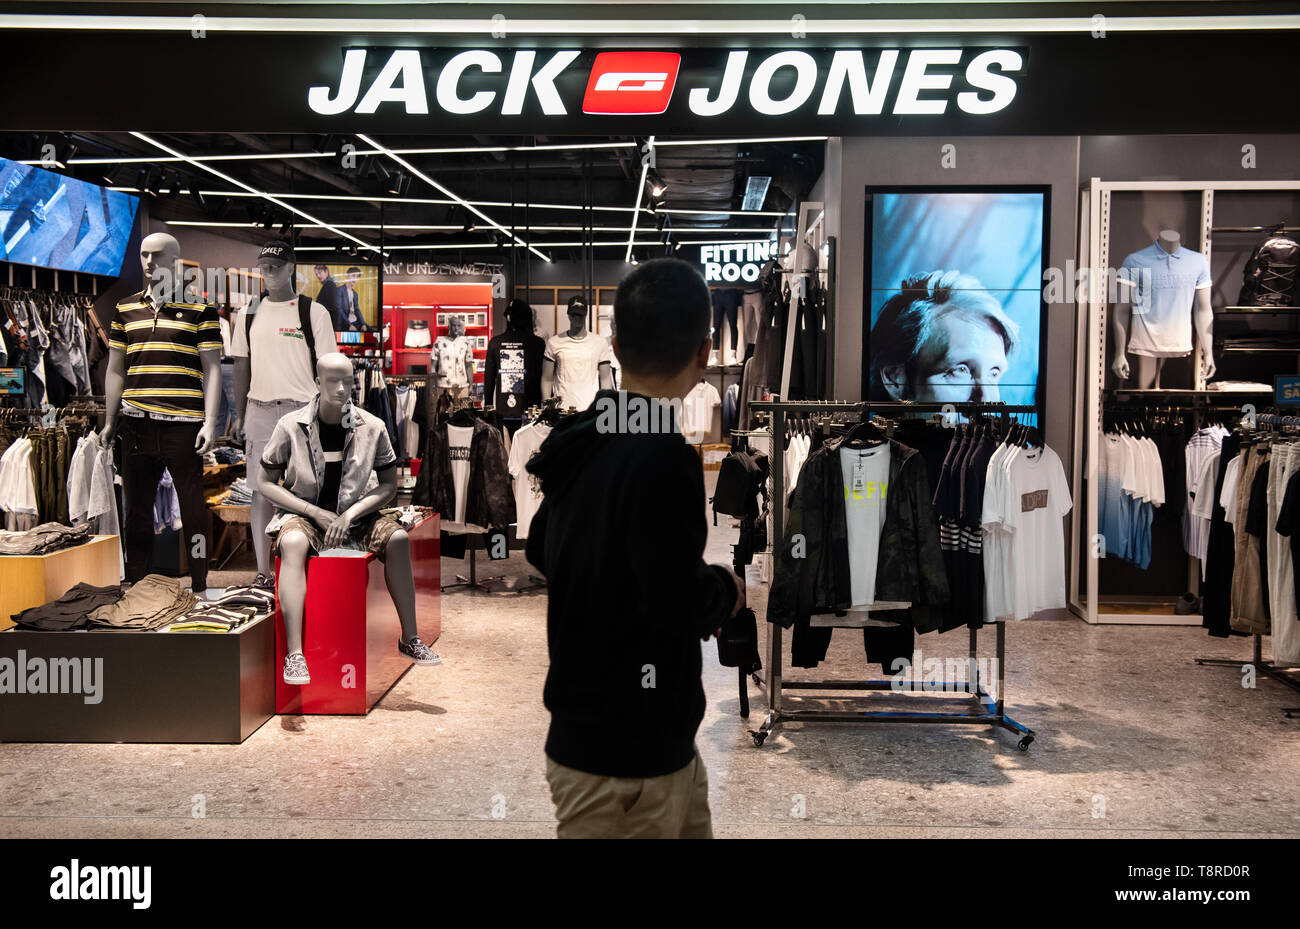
{"x": 252, "y": 190}
{"x": 351, "y": 26}
{"x": 443, "y": 190}
{"x": 640, "y": 191}
{"x": 683, "y": 143}
{"x": 447, "y": 246}
{"x": 213, "y": 224}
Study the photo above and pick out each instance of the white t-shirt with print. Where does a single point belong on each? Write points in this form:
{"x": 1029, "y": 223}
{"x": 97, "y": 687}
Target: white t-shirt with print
{"x": 1035, "y": 497}
{"x": 281, "y": 362}
{"x": 577, "y": 366}
{"x": 866, "y": 488}
{"x": 448, "y": 360}
{"x": 528, "y": 489}
{"x": 458, "y": 443}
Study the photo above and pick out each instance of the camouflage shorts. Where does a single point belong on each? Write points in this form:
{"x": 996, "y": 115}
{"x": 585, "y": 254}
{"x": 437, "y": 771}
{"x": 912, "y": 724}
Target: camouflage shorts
{"x": 368, "y": 534}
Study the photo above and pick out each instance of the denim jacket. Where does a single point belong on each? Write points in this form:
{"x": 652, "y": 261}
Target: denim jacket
{"x": 295, "y": 447}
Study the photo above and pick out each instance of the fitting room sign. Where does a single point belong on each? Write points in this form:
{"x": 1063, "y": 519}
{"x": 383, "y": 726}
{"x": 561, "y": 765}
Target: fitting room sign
{"x": 735, "y": 263}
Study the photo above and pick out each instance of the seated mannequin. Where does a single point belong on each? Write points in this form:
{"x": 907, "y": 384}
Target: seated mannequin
{"x": 323, "y": 503}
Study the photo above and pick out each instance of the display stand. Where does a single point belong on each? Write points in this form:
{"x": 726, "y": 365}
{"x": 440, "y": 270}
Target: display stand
{"x": 473, "y": 582}
{"x": 30, "y": 580}
{"x": 1267, "y": 668}
{"x": 985, "y": 710}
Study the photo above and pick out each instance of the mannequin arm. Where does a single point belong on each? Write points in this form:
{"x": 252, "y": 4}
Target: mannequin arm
{"x": 1121, "y": 318}
{"x": 114, "y": 383}
{"x": 375, "y": 499}
{"x": 490, "y": 372}
{"x": 606, "y": 376}
{"x": 243, "y": 378}
{"x": 469, "y": 371}
{"x": 548, "y": 378}
{"x": 210, "y": 359}
{"x": 1204, "y": 321}
{"x": 268, "y": 485}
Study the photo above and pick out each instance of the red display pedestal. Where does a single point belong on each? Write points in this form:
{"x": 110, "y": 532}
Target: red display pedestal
{"x": 350, "y": 629}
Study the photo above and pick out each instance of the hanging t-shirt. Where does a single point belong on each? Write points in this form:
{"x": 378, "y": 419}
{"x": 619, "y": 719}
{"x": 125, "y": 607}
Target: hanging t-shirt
{"x": 1162, "y": 288}
{"x": 995, "y": 543}
{"x": 458, "y": 442}
{"x": 697, "y": 412}
{"x": 331, "y": 443}
{"x": 448, "y": 360}
{"x": 577, "y": 366}
{"x": 1035, "y": 498}
{"x": 1228, "y": 494}
{"x": 866, "y": 488}
{"x": 280, "y": 363}
{"x": 528, "y": 489}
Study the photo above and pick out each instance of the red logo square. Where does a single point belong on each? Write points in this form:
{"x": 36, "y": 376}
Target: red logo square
{"x": 631, "y": 83}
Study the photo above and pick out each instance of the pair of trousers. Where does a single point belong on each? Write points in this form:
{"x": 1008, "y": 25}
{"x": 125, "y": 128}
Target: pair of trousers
{"x": 260, "y": 417}
{"x": 49, "y": 465}
{"x": 151, "y": 603}
{"x": 148, "y": 446}
{"x": 42, "y": 539}
{"x": 591, "y": 806}
{"x": 726, "y": 306}
{"x": 1281, "y": 581}
{"x": 1248, "y": 609}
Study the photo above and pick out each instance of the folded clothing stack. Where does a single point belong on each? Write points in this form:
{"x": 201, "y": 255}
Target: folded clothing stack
{"x": 71, "y": 611}
{"x": 152, "y": 602}
{"x": 227, "y": 455}
{"x": 260, "y": 599}
{"x": 43, "y": 539}
{"x": 239, "y": 495}
{"x": 209, "y": 617}
{"x": 408, "y": 516}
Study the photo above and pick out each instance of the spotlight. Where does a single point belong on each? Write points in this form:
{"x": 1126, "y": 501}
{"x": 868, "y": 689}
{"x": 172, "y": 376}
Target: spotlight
{"x": 398, "y": 183}
{"x": 197, "y": 197}
{"x": 173, "y": 186}
{"x": 658, "y": 186}
{"x": 286, "y": 227}
{"x": 113, "y": 176}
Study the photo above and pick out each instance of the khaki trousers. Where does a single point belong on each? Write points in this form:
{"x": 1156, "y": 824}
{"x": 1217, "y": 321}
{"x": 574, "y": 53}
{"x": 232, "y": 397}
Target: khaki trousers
{"x": 673, "y": 806}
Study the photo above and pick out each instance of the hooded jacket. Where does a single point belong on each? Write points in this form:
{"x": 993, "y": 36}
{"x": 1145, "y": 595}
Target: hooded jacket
{"x": 489, "y": 500}
{"x": 620, "y": 539}
{"x": 910, "y": 565}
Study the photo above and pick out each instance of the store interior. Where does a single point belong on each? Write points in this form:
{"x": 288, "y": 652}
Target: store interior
{"x": 1115, "y": 686}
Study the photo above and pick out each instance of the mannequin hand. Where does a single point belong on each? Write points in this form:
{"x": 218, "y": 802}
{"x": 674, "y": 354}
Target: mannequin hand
{"x": 206, "y": 438}
{"x": 323, "y": 518}
{"x": 1207, "y": 365}
{"x": 1120, "y": 367}
{"x": 338, "y": 531}
{"x": 107, "y": 434}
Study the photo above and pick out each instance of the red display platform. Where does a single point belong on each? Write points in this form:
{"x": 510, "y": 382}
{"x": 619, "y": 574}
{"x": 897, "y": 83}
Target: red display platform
{"x": 350, "y": 629}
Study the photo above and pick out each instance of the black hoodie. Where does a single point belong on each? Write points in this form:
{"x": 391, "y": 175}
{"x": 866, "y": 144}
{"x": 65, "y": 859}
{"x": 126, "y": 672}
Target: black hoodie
{"x": 620, "y": 539}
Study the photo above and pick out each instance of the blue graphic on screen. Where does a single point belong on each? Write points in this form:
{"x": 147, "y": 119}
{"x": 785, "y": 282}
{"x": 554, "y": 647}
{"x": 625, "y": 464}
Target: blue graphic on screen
{"x": 955, "y": 296}
{"x": 53, "y": 221}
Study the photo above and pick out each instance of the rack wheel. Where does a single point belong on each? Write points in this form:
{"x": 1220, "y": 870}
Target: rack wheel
{"x": 1024, "y": 743}
{"x": 759, "y": 737}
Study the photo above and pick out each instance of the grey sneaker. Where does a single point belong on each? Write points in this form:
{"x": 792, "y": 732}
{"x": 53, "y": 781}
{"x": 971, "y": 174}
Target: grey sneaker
{"x": 295, "y": 669}
{"x": 418, "y": 652}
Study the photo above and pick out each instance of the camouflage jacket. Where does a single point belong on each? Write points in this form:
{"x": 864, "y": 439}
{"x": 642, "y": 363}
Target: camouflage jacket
{"x": 910, "y": 566}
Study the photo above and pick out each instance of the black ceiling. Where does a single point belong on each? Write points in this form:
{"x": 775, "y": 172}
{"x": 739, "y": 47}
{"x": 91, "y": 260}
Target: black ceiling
{"x": 710, "y": 178}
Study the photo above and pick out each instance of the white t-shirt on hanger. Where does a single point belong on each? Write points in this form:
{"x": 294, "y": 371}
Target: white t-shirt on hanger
{"x": 697, "y": 412}
{"x": 866, "y": 488}
{"x": 1035, "y": 498}
{"x": 528, "y": 490}
{"x": 458, "y": 443}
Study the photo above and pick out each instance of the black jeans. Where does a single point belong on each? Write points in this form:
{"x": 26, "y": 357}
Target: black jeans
{"x": 149, "y": 445}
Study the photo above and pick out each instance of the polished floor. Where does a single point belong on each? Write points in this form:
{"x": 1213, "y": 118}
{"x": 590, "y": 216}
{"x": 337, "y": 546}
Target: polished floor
{"x": 1134, "y": 739}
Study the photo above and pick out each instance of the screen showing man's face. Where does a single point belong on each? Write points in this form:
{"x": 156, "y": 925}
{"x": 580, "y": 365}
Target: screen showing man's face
{"x": 962, "y": 362}
{"x": 321, "y": 274}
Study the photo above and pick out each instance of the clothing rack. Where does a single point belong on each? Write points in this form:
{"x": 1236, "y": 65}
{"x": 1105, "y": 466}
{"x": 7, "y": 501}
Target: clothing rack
{"x": 986, "y": 710}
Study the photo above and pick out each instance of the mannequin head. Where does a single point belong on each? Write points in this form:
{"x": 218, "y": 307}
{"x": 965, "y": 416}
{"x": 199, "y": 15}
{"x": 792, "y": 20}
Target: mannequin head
{"x": 159, "y": 253}
{"x": 519, "y": 316}
{"x": 334, "y": 381}
{"x": 275, "y": 262}
{"x": 456, "y": 326}
{"x": 577, "y": 316}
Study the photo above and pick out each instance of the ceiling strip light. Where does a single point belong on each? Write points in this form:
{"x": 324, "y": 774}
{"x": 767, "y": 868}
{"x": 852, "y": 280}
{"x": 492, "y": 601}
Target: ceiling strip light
{"x": 443, "y": 190}
{"x": 270, "y": 197}
{"x": 640, "y": 191}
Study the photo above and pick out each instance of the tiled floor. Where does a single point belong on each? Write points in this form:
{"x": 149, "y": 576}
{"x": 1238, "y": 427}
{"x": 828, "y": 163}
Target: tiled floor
{"x": 1133, "y": 739}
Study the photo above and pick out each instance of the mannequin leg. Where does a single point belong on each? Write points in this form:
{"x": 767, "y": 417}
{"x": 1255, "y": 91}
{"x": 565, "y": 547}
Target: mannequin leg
{"x": 1146, "y": 371}
{"x": 400, "y": 580}
{"x": 294, "y": 548}
{"x": 259, "y": 514}
{"x": 141, "y": 471}
{"x": 186, "y": 468}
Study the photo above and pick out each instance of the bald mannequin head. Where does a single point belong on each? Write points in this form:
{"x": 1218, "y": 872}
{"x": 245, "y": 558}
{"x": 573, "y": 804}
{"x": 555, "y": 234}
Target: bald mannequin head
{"x": 334, "y": 380}
{"x": 159, "y": 253}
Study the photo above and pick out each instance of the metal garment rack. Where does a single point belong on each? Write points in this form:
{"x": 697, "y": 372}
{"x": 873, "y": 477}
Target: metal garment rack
{"x": 985, "y": 710}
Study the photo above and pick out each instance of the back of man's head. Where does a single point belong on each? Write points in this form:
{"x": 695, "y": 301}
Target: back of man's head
{"x": 661, "y": 317}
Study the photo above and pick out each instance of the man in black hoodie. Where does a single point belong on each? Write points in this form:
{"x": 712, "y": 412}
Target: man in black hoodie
{"x": 620, "y": 539}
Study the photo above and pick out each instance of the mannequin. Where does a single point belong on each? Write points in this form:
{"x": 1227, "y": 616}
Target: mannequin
{"x": 1170, "y": 280}
{"x": 512, "y": 380}
{"x": 273, "y": 374}
{"x": 166, "y": 395}
{"x": 451, "y": 362}
{"x": 577, "y": 362}
{"x": 319, "y": 512}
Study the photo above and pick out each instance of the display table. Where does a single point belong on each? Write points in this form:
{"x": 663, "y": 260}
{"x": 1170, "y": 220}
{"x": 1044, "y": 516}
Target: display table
{"x": 350, "y": 628}
{"x": 147, "y": 686}
{"x": 30, "y": 580}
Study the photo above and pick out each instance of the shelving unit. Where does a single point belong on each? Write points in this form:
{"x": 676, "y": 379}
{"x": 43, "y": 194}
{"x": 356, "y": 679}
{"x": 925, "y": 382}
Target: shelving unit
{"x": 431, "y": 302}
{"x": 1090, "y": 383}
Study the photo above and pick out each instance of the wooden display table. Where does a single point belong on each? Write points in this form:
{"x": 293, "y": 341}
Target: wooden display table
{"x": 30, "y": 580}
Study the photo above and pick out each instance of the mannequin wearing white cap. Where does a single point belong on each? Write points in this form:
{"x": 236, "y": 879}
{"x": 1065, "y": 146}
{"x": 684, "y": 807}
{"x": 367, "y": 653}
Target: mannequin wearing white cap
{"x": 163, "y": 394}
{"x": 273, "y": 373}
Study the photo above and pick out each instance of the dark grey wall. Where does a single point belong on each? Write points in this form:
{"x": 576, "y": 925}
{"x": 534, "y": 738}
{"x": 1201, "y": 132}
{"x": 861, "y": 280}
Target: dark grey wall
{"x": 853, "y": 164}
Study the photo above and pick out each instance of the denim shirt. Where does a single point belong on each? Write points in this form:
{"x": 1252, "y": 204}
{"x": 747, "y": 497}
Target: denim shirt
{"x": 295, "y": 447}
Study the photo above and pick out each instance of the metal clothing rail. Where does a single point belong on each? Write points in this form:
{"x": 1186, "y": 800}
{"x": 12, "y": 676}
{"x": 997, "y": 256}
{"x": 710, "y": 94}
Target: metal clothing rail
{"x": 986, "y": 710}
{"x": 1266, "y": 668}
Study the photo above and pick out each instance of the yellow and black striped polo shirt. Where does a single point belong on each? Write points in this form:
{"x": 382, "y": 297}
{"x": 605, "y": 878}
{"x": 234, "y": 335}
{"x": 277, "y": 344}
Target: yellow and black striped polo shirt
{"x": 163, "y": 373}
